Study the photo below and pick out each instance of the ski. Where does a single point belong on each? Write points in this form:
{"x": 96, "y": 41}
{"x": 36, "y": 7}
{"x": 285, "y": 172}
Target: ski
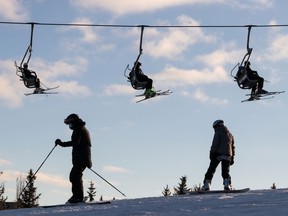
{"x": 256, "y": 97}
{"x": 253, "y": 98}
{"x": 219, "y": 191}
{"x": 143, "y": 95}
{"x": 158, "y": 93}
{"x": 77, "y": 204}
{"x": 43, "y": 91}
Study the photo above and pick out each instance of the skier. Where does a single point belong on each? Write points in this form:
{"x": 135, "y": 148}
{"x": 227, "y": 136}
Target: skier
{"x": 253, "y": 75}
{"x": 81, "y": 154}
{"x": 141, "y": 77}
{"x": 29, "y": 75}
{"x": 222, "y": 150}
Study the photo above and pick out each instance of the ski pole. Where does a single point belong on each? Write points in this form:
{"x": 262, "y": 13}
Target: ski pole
{"x": 107, "y": 182}
{"x": 38, "y": 169}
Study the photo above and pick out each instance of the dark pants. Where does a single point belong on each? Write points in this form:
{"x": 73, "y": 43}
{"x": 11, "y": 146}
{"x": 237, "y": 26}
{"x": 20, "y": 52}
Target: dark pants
{"x": 260, "y": 82}
{"x": 144, "y": 78}
{"x": 77, "y": 182}
{"x": 225, "y": 166}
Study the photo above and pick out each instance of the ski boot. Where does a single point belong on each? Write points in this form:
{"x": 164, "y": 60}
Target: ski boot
{"x": 75, "y": 200}
{"x": 206, "y": 186}
{"x": 227, "y": 184}
{"x": 150, "y": 92}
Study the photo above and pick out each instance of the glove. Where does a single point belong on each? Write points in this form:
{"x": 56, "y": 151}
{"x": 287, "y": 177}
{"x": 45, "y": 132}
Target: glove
{"x": 212, "y": 156}
{"x": 58, "y": 142}
{"x": 232, "y": 161}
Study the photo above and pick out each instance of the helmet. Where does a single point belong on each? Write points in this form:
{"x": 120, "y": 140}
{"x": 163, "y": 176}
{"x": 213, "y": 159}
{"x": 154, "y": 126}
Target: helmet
{"x": 25, "y": 65}
{"x": 247, "y": 63}
{"x": 217, "y": 123}
{"x": 72, "y": 118}
{"x": 137, "y": 63}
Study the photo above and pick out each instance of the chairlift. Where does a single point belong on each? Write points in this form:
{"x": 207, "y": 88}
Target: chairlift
{"x": 241, "y": 77}
{"x": 31, "y": 81}
{"x": 130, "y": 74}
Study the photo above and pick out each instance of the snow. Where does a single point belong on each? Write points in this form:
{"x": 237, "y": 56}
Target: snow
{"x": 254, "y": 202}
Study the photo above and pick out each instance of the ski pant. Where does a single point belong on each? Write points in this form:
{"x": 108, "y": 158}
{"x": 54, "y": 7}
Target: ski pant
{"x": 260, "y": 82}
{"x": 225, "y": 166}
{"x": 144, "y": 78}
{"x": 77, "y": 182}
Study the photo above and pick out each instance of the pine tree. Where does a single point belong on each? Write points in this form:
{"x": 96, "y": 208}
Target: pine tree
{"x": 27, "y": 197}
{"x": 2, "y": 198}
{"x": 166, "y": 191}
{"x": 273, "y": 186}
{"x": 197, "y": 187}
{"x": 182, "y": 187}
{"x": 91, "y": 191}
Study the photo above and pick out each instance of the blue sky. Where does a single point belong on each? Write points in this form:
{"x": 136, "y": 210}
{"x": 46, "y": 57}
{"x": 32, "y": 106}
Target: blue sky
{"x": 140, "y": 148}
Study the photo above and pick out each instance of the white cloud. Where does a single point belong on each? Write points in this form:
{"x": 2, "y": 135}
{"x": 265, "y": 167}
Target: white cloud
{"x": 89, "y": 34}
{"x": 132, "y": 6}
{"x": 227, "y": 54}
{"x": 52, "y": 179}
{"x": 278, "y": 48}
{"x": 201, "y": 96}
{"x": 172, "y": 76}
{"x": 114, "y": 169}
{"x": 72, "y": 88}
{"x": 116, "y": 89}
{"x": 51, "y": 72}
{"x": 140, "y": 6}
{"x": 13, "y": 10}
{"x": 12, "y": 175}
{"x": 248, "y": 4}
{"x": 4, "y": 162}
{"x": 10, "y": 89}
{"x": 172, "y": 42}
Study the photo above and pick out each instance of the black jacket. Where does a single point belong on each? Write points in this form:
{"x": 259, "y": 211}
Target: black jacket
{"x": 81, "y": 144}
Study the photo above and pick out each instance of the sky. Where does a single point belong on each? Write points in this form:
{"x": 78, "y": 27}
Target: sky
{"x": 142, "y": 147}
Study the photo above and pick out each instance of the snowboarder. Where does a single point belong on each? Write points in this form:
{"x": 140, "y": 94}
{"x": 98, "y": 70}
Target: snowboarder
{"x": 253, "y": 75}
{"x": 149, "y": 90}
{"x": 222, "y": 150}
{"x": 81, "y": 154}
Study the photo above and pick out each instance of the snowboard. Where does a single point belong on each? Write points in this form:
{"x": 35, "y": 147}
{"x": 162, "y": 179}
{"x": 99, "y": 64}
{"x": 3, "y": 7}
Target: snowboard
{"x": 77, "y": 204}
{"x": 219, "y": 191}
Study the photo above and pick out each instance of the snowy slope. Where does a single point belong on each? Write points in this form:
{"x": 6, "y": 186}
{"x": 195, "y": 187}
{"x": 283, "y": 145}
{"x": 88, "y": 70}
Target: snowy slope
{"x": 257, "y": 202}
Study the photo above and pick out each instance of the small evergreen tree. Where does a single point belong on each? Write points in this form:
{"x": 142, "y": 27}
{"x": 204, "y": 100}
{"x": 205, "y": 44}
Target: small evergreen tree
{"x": 182, "y": 187}
{"x": 166, "y": 191}
{"x": 27, "y": 197}
{"x": 273, "y": 186}
{"x": 91, "y": 191}
{"x": 101, "y": 198}
{"x": 2, "y": 198}
{"x": 197, "y": 187}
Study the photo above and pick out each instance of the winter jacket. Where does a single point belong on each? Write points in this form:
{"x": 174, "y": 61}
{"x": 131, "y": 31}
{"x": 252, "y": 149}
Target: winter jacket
{"x": 81, "y": 144}
{"x": 223, "y": 142}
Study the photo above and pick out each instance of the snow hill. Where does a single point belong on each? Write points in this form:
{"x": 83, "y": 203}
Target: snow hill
{"x": 255, "y": 202}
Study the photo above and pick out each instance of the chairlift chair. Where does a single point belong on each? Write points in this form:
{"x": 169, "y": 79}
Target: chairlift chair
{"x": 28, "y": 82}
{"x": 241, "y": 77}
{"x": 132, "y": 78}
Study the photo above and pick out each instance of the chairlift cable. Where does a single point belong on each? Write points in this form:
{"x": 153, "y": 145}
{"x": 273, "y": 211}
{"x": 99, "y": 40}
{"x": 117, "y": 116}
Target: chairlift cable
{"x": 151, "y": 26}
